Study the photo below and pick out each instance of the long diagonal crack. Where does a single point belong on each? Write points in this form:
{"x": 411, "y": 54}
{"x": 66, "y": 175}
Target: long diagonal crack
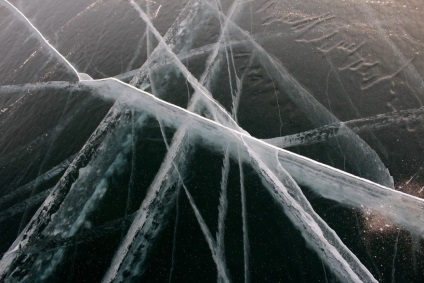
{"x": 371, "y": 165}
{"x": 159, "y": 187}
{"x": 39, "y": 36}
{"x": 201, "y": 125}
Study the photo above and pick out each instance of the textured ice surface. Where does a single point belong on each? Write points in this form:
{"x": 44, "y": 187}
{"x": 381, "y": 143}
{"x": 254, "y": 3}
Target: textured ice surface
{"x": 208, "y": 140}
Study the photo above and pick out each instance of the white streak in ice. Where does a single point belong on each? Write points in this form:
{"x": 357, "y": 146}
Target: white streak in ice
{"x": 246, "y": 245}
{"x": 405, "y": 209}
{"x": 354, "y": 146}
{"x": 206, "y": 95}
{"x": 223, "y": 205}
{"x": 217, "y": 256}
{"x": 197, "y": 123}
{"x": 314, "y": 230}
{"x": 38, "y": 34}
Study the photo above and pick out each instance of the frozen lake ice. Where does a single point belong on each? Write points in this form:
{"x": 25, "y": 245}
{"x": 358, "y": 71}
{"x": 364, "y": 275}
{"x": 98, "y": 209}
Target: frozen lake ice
{"x": 211, "y": 140}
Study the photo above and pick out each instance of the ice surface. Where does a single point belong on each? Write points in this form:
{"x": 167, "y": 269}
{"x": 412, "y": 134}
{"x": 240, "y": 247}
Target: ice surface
{"x": 35, "y": 33}
{"x": 129, "y": 190}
